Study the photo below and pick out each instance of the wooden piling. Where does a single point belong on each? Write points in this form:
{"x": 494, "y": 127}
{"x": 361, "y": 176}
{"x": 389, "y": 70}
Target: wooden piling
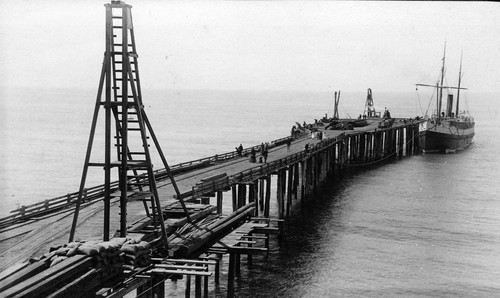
{"x": 252, "y": 196}
{"x": 219, "y": 201}
{"x": 280, "y": 192}
{"x": 188, "y": 286}
{"x": 145, "y": 290}
{"x": 158, "y": 287}
{"x": 234, "y": 191}
{"x": 197, "y": 286}
{"x": 315, "y": 172}
{"x": 242, "y": 195}
{"x": 289, "y": 190}
{"x": 205, "y": 287}
{"x": 369, "y": 139}
{"x": 231, "y": 274}
{"x": 416, "y": 149}
{"x": 296, "y": 180}
{"x": 262, "y": 194}
{"x": 268, "y": 196}
{"x": 302, "y": 181}
{"x": 362, "y": 143}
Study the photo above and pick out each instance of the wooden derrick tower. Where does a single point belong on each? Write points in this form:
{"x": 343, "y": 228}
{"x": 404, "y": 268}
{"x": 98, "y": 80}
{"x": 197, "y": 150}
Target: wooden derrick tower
{"x": 336, "y": 106}
{"x": 369, "y": 111}
{"x": 123, "y": 107}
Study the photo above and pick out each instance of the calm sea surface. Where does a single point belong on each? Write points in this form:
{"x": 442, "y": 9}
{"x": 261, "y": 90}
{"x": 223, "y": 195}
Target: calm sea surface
{"x": 424, "y": 226}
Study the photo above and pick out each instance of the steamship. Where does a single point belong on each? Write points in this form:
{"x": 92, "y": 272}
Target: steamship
{"x": 446, "y": 131}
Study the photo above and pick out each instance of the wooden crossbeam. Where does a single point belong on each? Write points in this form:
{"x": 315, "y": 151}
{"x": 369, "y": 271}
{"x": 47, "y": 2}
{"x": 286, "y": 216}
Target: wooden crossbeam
{"x": 180, "y": 272}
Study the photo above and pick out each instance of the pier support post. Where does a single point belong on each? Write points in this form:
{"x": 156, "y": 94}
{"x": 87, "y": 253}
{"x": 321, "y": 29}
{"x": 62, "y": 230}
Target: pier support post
{"x": 188, "y": 286}
{"x": 295, "y": 180}
{"x": 197, "y": 286}
{"x": 315, "y": 172}
{"x": 280, "y": 194}
{"x": 160, "y": 289}
{"x": 369, "y": 142}
{"x": 289, "y": 190}
{"x": 234, "y": 197}
{"x": 409, "y": 142}
{"x": 219, "y": 201}
{"x": 261, "y": 194}
{"x": 302, "y": 181}
{"x": 394, "y": 142}
{"x": 268, "y": 196}
{"x": 401, "y": 141}
{"x": 145, "y": 290}
{"x": 231, "y": 275}
{"x": 252, "y": 195}
{"x": 416, "y": 149}
{"x": 242, "y": 193}
{"x": 379, "y": 144}
{"x": 362, "y": 143}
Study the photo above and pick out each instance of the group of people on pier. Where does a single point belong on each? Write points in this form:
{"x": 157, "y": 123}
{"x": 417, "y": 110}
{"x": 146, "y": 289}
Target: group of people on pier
{"x": 263, "y": 149}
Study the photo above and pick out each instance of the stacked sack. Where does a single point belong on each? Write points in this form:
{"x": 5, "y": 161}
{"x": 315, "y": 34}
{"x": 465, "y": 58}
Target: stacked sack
{"x": 110, "y": 256}
{"x": 136, "y": 253}
{"x": 106, "y": 255}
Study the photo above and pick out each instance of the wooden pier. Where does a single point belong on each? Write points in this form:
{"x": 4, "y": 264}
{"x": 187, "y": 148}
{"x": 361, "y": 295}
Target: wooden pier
{"x": 181, "y": 221}
{"x": 228, "y": 181}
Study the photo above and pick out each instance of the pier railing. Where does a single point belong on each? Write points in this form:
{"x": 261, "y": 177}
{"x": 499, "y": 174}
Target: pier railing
{"x": 210, "y": 186}
{"x": 95, "y": 193}
{"x": 263, "y": 170}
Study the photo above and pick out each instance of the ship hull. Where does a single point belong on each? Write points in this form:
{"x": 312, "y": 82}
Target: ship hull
{"x": 439, "y": 139}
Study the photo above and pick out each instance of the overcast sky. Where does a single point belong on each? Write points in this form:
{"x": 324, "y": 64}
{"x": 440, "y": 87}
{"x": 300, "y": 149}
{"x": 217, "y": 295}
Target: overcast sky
{"x": 316, "y": 46}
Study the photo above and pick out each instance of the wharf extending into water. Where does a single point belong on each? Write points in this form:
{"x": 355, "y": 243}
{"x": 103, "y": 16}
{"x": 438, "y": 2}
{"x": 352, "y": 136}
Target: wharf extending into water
{"x": 186, "y": 221}
{"x": 32, "y": 230}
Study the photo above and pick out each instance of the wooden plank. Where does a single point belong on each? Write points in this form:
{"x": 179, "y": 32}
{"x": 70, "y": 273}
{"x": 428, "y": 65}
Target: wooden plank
{"x": 51, "y": 277}
{"x": 189, "y": 261}
{"x": 80, "y": 285}
{"x": 180, "y": 272}
{"x": 122, "y": 291}
{"x": 23, "y": 274}
{"x": 181, "y": 267}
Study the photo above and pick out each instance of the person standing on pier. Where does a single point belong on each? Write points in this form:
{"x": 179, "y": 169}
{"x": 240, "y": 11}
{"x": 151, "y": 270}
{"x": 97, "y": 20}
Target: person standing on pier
{"x": 239, "y": 150}
{"x": 264, "y": 153}
{"x": 288, "y": 143}
{"x": 252, "y": 155}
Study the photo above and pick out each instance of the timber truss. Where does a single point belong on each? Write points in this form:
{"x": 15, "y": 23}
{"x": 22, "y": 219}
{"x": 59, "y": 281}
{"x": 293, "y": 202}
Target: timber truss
{"x": 124, "y": 109}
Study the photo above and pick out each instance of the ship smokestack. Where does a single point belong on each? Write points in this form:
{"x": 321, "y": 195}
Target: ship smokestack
{"x": 449, "y": 105}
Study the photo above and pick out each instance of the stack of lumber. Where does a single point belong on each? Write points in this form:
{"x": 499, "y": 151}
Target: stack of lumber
{"x": 71, "y": 269}
{"x": 205, "y": 234}
{"x": 38, "y": 279}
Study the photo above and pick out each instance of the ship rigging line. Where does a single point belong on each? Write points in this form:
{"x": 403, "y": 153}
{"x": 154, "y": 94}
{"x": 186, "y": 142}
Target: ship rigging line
{"x": 430, "y": 101}
{"x": 419, "y": 102}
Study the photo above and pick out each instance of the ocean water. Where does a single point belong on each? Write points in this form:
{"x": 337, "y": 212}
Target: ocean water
{"x": 425, "y": 226}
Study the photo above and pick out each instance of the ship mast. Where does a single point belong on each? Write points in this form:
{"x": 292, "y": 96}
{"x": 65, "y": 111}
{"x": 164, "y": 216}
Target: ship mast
{"x": 459, "y": 80}
{"x": 439, "y": 86}
{"x": 441, "y": 89}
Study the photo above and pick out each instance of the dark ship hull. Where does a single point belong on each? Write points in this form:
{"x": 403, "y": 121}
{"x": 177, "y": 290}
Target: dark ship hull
{"x": 444, "y": 138}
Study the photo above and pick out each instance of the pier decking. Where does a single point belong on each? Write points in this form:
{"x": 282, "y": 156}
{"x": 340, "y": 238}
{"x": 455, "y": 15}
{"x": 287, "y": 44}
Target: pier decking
{"x": 157, "y": 224}
{"x": 298, "y": 174}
